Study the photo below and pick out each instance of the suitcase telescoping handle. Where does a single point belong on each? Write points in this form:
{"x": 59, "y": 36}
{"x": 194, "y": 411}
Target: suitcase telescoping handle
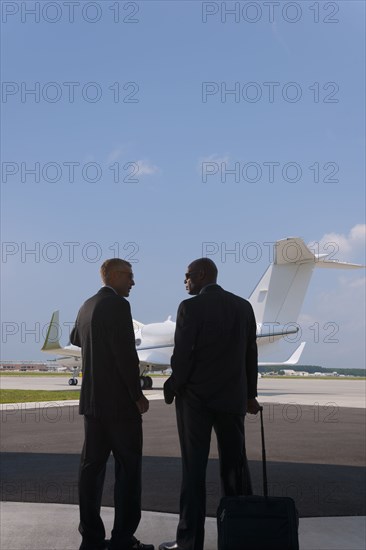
{"x": 264, "y": 464}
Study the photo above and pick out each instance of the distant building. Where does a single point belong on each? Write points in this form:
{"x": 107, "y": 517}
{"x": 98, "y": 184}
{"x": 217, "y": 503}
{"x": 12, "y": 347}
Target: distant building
{"x": 290, "y": 372}
{"x": 23, "y": 366}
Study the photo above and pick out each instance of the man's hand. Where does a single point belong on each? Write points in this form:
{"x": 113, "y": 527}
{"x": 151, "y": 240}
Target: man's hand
{"x": 253, "y": 407}
{"x": 142, "y": 404}
{"x": 168, "y": 393}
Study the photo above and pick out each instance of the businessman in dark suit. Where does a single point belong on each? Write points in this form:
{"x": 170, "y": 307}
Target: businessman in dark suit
{"x": 112, "y": 403}
{"x": 214, "y": 382}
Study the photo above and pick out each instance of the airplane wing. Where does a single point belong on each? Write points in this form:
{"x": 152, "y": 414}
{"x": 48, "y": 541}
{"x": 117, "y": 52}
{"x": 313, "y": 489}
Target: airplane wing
{"x": 270, "y": 332}
{"x": 293, "y": 360}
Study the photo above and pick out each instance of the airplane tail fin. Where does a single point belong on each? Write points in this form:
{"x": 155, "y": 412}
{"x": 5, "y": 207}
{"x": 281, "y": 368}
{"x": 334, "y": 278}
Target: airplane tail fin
{"x": 52, "y": 340}
{"x": 51, "y": 343}
{"x": 279, "y": 295}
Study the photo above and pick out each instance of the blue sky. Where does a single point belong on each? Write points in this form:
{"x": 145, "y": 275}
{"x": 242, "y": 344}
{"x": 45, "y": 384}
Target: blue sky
{"x": 147, "y": 98}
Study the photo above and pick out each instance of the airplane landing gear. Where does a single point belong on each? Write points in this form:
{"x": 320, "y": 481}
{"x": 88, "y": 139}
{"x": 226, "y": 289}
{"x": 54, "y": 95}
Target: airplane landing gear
{"x": 73, "y": 381}
{"x": 146, "y": 382}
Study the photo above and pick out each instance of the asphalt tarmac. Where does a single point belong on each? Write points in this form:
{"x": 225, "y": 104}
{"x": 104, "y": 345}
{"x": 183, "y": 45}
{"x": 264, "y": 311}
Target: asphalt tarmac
{"x": 341, "y": 392}
{"x": 315, "y": 454}
{"x": 315, "y": 438}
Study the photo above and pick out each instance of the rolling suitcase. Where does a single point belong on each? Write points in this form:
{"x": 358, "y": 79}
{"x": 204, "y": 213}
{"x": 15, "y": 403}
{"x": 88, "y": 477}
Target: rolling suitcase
{"x": 258, "y": 522}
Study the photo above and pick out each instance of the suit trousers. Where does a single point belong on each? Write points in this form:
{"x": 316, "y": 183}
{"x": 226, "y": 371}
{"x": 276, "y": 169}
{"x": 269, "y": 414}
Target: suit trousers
{"x": 195, "y": 422}
{"x": 122, "y": 437}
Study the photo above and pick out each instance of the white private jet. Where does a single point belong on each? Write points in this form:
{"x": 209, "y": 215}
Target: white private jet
{"x": 276, "y": 300}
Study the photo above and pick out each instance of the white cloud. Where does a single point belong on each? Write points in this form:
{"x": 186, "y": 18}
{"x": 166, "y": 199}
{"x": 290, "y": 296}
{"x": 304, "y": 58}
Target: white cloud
{"x": 145, "y": 168}
{"x": 340, "y": 246}
{"x": 357, "y": 283}
{"x": 116, "y": 153}
{"x": 212, "y": 158}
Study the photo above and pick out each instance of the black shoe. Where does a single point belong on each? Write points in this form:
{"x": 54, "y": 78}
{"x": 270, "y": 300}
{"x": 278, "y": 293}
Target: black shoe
{"x": 87, "y": 546}
{"x": 137, "y": 545}
{"x": 169, "y": 545}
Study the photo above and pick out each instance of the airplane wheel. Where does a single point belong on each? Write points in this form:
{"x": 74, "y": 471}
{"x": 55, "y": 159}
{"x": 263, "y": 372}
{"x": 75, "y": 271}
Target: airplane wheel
{"x": 146, "y": 382}
{"x": 71, "y": 382}
{"x": 75, "y": 382}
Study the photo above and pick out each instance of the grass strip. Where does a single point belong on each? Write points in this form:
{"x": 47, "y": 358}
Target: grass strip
{"x": 32, "y": 373}
{"x": 30, "y": 396}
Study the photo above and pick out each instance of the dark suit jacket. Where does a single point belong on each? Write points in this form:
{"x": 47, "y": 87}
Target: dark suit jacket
{"x": 215, "y": 351}
{"x": 104, "y": 331}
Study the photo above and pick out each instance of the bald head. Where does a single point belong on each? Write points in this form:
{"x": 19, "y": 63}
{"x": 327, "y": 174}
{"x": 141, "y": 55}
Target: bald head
{"x": 200, "y": 273}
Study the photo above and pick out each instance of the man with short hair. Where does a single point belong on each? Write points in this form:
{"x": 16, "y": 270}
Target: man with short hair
{"x": 214, "y": 382}
{"x": 112, "y": 403}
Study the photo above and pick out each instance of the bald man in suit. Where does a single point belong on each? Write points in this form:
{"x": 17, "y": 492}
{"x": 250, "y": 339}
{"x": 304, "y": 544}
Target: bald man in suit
{"x": 214, "y": 383}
